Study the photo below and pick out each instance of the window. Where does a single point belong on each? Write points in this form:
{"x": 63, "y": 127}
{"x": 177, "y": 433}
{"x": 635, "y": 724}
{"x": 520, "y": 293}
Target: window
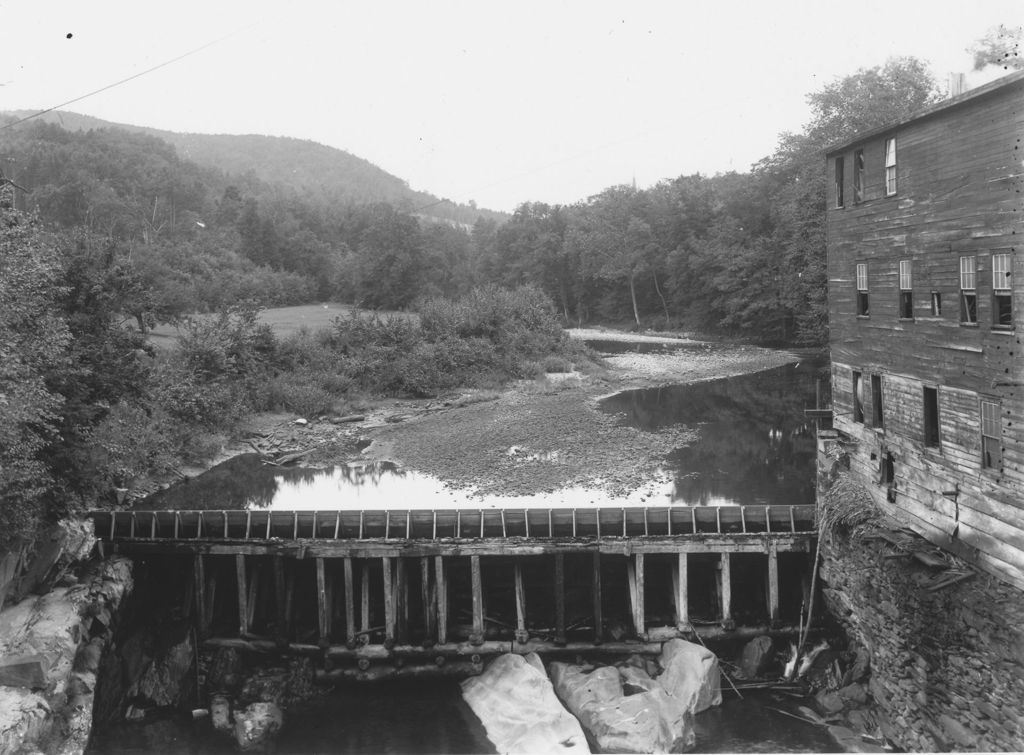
{"x": 862, "y": 289}
{"x": 890, "y": 167}
{"x": 858, "y": 176}
{"x": 968, "y": 291}
{"x": 936, "y": 304}
{"x": 877, "y": 417}
{"x": 858, "y": 398}
{"x": 839, "y": 182}
{"x": 931, "y": 416}
{"x": 906, "y": 291}
{"x": 991, "y": 436}
{"x": 1002, "y": 291}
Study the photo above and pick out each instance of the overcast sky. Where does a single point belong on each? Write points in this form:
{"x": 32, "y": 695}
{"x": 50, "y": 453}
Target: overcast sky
{"x": 501, "y": 102}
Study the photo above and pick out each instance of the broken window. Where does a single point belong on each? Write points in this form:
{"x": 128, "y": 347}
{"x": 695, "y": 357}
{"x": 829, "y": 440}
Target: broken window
{"x": 858, "y": 397}
{"x": 877, "y": 416}
{"x": 862, "y": 289}
{"x": 936, "y": 304}
{"x": 890, "y": 167}
{"x": 1002, "y": 291}
{"x": 931, "y": 416}
{"x": 887, "y": 474}
{"x": 906, "y": 291}
{"x": 858, "y": 176}
{"x": 968, "y": 291}
{"x": 991, "y": 436}
{"x": 839, "y": 181}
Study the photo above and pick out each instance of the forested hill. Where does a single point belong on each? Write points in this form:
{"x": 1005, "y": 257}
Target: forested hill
{"x": 302, "y": 165}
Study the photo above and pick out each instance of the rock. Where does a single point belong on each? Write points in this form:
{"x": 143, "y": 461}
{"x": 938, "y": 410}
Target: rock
{"x": 257, "y": 725}
{"x": 647, "y": 664}
{"x": 691, "y": 675}
{"x": 282, "y": 686}
{"x": 28, "y": 671}
{"x": 220, "y": 713}
{"x": 225, "y": 673}
{"x": 301, "y": 421}
{"x": 163, "y": 681}
{"x": 516, "y": 703}
{"x": 830, "y": 702}
{"x": 854, "y": 693}
{"x": 636, "y": 681}
{"x": 756, "y": 656}
{"x": 647, "y": 721}
{"x": 958, "y": 732}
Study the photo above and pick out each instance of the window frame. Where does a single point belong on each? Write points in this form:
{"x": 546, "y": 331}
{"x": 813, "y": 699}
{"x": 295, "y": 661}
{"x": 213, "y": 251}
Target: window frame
{"x": 877, "y": 403}
{"x": 891, "y": 186}
{"x": 858, "y": 176}
{"x": 1002, "y": 290}
{"x": 931, "y": 418}
{"x": 969, "y": 294}
{"x": 993, "y": 423}
{"x": 861, "y": 283}
{"x": 838, "y": 175}
{"x": 906, "y": 289}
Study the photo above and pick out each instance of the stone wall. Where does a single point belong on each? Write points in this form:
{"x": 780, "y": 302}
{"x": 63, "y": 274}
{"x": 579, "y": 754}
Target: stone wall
{"x": 947, "y": 665}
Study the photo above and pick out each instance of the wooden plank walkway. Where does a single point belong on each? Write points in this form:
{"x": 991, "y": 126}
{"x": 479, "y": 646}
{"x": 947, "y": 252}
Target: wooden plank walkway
{"x": 257, "y": 526}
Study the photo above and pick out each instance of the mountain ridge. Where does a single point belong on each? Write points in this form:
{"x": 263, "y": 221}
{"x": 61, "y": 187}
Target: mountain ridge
{"x": 301, "y": 164}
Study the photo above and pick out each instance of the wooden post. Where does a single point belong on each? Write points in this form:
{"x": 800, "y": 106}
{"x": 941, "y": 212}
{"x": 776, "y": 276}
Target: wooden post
{"x": 428, "y": 609}
{"x": 477, "y": 637}
{"x": 289, "y": 603}
{"x": 243, "y": 608}
{"x": 199, "y": 593}
{"x": 389, "y": 603}
{"x": 773, "y": 585}
{"x": 281, "y": 595}
{"x": 401, "y": 602}
{"x": 442, "y": 600}
{"x": 560, "y": 599}
{"x": 254, "y": 591}
{"x": 598, "y": 614}
{"x": 522, "y": 635}
{"x": 323, "y": 606}
{"x": 680, "y": 579}
{"x": 641, "y": 622}
{"x": 364, "y": 596}
{"x": 725, "y": 590}
{"x": 350, "y": 605}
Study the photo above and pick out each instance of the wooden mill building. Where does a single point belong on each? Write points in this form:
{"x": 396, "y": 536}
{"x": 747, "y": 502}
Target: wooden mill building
{"x": 926, "y": 307}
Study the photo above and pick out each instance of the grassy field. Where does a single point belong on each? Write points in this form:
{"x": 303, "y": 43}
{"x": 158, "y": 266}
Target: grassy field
{"x": 284, "y": 320}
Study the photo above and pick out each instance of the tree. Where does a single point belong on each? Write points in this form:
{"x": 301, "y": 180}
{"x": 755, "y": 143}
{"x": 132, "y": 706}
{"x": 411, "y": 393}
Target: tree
{"x": 34, "y": 340}
{"x": 1000, "y": 47}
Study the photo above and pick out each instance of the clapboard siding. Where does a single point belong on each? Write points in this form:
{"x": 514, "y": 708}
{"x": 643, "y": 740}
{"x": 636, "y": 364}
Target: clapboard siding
{"x": 959, "y": 189}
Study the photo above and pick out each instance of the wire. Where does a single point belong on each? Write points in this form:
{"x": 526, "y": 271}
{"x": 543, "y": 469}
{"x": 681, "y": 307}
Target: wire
{"x": 130, "y": 78}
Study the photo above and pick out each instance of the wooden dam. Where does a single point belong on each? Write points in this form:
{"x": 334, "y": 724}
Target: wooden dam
{"x": 380, "y": 592}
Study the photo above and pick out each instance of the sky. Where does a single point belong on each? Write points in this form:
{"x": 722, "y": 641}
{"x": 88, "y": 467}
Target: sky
{"x": 493, "y": 101}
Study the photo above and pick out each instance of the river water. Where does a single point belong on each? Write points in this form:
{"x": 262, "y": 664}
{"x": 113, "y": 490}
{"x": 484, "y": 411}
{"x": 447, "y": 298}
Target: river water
{"x": 755, "y": 446}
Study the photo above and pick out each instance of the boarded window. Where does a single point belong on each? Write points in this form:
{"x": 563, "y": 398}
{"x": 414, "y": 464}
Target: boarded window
{"x": 862, "y": 289}
{"x": 906, "y": 291}
{"x": 890, "y": 167}
{"x": 858, "y": 176}
{"x": 839, "y": 181}
{"x": 858, "y": 397}
{"x": 991, "y": 436}
{"x": 1002, "y": 291}
{"x": 931, "y": 416}
{"x": 877, "y": 414}
{"x": 968, "y": 290}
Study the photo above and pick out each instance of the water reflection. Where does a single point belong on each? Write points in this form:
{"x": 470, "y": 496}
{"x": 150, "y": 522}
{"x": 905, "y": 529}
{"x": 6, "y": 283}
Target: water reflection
{"x": 755, "y": 446}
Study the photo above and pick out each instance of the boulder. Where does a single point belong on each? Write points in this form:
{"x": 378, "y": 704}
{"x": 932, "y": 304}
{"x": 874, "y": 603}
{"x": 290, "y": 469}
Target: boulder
{"x": 646, "y": 721}
{"x": 691, "y": 675}
{"x": 28, "y": 671}
{"x": 257, "y": 725}
{"x": 220, "y": 713}
{"x": 164, "y": 681}
{"x": 517, "y": 706}
{"x": 756, "y": 657}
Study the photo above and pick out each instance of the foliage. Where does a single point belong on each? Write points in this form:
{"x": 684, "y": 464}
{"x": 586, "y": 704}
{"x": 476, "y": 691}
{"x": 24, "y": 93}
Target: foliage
{"x": 1000, "y": 47}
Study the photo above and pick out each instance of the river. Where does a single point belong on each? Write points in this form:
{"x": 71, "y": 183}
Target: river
{"x": 754, "y": 446}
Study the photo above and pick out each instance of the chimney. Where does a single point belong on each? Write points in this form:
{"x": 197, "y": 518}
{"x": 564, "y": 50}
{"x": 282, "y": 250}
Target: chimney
{"x": 957, "y": 84}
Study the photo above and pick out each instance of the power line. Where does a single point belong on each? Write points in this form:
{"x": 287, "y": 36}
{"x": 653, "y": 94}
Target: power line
{"x": 130, "y": 78}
